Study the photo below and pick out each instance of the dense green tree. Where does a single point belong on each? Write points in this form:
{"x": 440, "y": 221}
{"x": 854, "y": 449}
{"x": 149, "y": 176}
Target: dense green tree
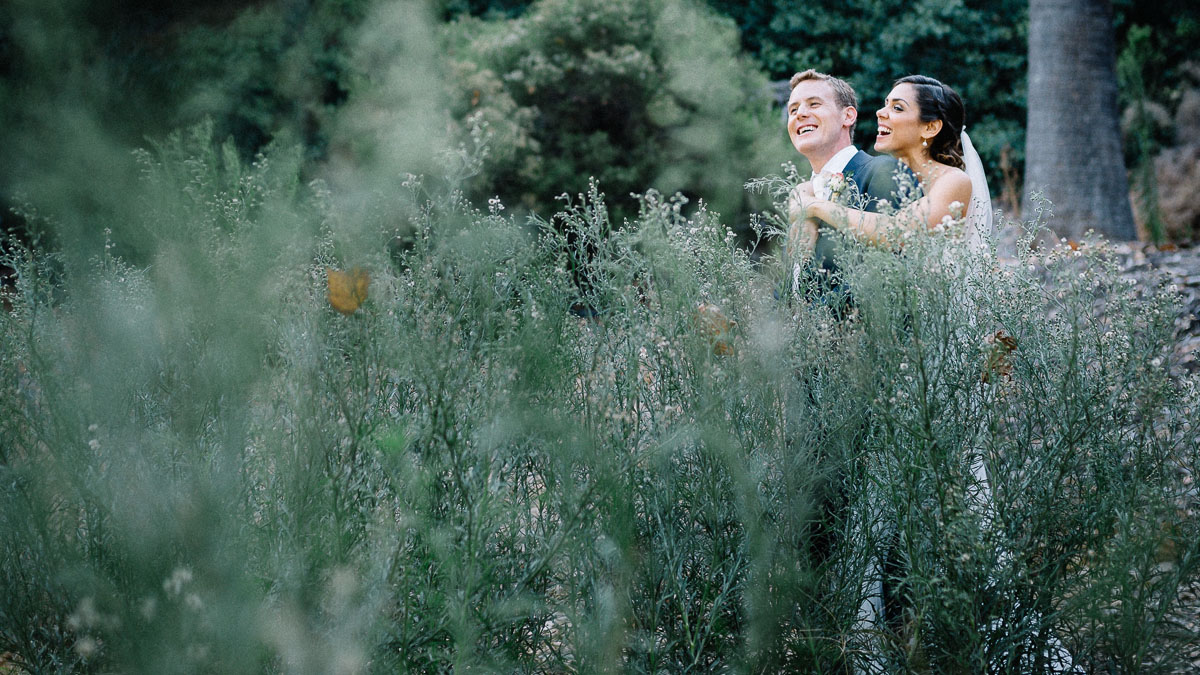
{"x": 975, "y": 46}
{"x": 83, "y": 82}
{"x": 489, "y": 8}
{"x": 1160, "y": 38}
{"x": 635, "y": 94}
{"x": 93, "y": 78}
{"x": 150, "y": 65}
{"x": 1155, "y": 42}
{"x": 276, "y": 65}
{"x": 1073, "y": 143}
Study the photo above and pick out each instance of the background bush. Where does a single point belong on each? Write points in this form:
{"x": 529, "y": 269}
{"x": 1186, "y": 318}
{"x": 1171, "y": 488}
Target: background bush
{"x": 632, "y": 94}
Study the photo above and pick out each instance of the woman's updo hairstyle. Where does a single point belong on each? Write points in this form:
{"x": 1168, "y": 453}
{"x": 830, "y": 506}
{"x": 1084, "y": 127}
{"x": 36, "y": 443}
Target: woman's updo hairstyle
{"x": 936, "y": 101}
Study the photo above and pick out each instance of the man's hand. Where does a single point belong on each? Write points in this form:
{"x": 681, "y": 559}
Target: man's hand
{"x": 806, "y": 194}
{"x": 799, "y": 199}
{"x": 802, "y": 231}
{"x": 801, "y": 240}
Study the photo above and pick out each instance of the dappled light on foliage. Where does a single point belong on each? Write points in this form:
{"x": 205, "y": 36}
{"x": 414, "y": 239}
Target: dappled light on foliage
{"x": 1000, "y": 345}
{"x": 713, "y": 324}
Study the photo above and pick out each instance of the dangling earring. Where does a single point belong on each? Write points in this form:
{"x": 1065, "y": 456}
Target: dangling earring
{"x": 924, "y": 143}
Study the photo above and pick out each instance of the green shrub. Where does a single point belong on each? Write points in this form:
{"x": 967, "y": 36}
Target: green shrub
{"x": 208, "y": 468}
{"x": 1085, "y": 440}
{"x": 632, "y": 94}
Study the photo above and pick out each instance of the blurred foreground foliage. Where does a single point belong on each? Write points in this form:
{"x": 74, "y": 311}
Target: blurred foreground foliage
{"x": 205, "y": 467}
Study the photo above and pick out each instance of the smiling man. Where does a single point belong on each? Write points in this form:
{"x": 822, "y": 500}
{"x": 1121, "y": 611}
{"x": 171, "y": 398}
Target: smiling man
{"x": 821, "y": 113}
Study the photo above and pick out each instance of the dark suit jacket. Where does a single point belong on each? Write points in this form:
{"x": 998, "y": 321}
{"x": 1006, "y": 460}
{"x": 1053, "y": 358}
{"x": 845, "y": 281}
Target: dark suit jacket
{"x": 874, "y": 178}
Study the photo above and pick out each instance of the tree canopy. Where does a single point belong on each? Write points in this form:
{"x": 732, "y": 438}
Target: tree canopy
{"x": 634, "y": 93}
{"x": 259, "y": 68}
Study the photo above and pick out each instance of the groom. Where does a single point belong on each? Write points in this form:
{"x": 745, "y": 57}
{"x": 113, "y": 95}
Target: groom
{"x": 821, "y": 113}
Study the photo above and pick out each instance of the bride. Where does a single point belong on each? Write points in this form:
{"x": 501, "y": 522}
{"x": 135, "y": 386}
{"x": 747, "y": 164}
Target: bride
{"x": 921, "y": 124}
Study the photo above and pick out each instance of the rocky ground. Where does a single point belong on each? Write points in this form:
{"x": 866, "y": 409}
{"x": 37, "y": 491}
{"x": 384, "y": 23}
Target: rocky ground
{"x": 1181, "y": 265}
{"x": 1147, "y": 265}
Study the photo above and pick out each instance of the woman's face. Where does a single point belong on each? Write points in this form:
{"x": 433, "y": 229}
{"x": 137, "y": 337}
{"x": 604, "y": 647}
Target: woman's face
{"x": 900, "y": 125}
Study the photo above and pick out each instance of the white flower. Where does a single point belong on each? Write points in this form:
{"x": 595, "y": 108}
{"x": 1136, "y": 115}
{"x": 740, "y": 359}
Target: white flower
{"x": 193, "y": 602}
{"x": 148, "y": 608}
{"x": 86, "y": 647}
{"x": 84, "y": 616}
{"x": 173, "y": 586}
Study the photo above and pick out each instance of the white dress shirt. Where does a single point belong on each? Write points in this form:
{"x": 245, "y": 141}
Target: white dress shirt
{"x": 836, "y": 164}
{"x": 820, "y": 181}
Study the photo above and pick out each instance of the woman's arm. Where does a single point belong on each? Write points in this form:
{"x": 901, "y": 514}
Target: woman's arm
{"x": 951, "y": 187}
{"x": 867, "y": 226}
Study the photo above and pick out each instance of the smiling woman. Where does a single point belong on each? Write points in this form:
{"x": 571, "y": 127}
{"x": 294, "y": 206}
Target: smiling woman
{"x": 929, "y": 114}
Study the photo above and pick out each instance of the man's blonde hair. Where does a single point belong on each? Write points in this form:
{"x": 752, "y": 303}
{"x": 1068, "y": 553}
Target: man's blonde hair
{"x": 842, "y": 91}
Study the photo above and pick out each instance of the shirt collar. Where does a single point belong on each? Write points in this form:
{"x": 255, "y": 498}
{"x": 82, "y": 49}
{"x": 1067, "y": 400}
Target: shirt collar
{"x": 837, "y": 163}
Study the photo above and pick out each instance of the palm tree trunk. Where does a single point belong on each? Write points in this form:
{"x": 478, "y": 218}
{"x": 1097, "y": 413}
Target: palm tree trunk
{"x": 1073, "y": 142}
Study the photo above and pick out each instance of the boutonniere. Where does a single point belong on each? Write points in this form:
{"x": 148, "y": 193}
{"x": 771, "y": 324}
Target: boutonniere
{"x": 837, "y": 185}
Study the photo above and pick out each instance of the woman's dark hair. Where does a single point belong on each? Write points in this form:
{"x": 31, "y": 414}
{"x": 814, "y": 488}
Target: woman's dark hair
{"x": 936, "y": 101}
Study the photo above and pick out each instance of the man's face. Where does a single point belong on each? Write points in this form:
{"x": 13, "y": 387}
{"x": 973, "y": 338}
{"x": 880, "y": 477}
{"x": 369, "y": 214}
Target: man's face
{"x": 817, "y": 125}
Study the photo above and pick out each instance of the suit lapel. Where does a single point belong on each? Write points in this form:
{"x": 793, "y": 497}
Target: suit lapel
{"x": 852, "y": 172}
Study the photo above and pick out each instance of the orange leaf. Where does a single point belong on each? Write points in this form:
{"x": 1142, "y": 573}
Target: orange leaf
{"x": 714, "y": 325}
{"x": 347, "y": 290}
{"x": 997, "y": 362}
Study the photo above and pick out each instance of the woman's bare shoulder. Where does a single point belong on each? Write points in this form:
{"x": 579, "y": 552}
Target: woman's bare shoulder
{"x": 952, "y": 180}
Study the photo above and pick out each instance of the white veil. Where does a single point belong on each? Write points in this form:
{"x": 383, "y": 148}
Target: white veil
{"x": 979, "y": 211}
